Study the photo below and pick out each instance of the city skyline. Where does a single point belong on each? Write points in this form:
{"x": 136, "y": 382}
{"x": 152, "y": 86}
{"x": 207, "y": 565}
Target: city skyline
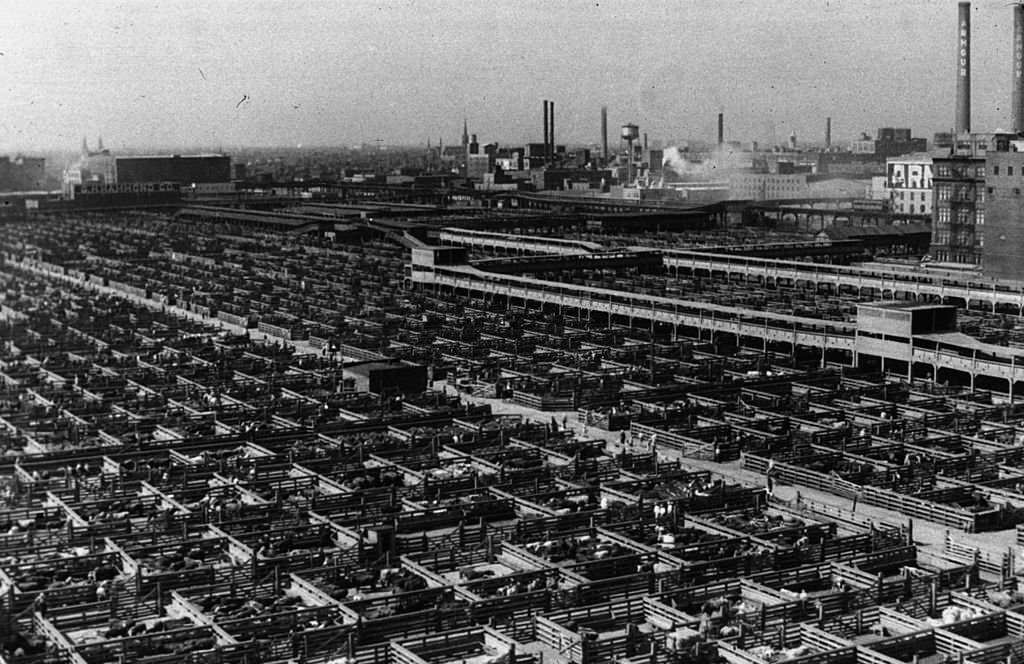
{"x": 272, "y": 73}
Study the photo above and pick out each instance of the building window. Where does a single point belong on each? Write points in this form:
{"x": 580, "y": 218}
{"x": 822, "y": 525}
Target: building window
{"x": 995, "y": 170}
{"x": 942, "y": 171}
{"x": 979, "y": 172}
{"x": 1016, "y": 191}
{"x": 979, "y": 239}
{"x": 944, "y": 191}
{"x": 963, "y": 216}
{"x": 979, "y": 217}
{"x": 1009, "y": 171}
{"x": 942, "y": 216}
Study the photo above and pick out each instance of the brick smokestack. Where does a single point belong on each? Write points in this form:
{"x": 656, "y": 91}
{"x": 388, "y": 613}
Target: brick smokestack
{"x": 551, "y": 140}
{"x": 721, "y": 129}
{"x": 1017, "y": 100}
{"x": 604, "y": 133}
{"x": 828, "y": 132}
{"x": 963, "y": 69}
{"x": 545, "y": 127}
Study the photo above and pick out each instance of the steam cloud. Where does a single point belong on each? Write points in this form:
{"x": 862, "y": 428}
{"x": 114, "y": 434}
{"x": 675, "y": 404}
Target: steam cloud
{"x": 714, "y": 166}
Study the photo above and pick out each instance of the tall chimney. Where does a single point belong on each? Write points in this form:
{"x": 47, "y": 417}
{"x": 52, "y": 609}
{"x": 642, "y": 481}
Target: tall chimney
{"x": 551, "y": 143}
{"x": 1017, "y": 101}
{"x": 604, "y": 134}
{"x": 721, "y": 129}
{"x": 645, "y": 141}
{"x": 545, "y": 128}
{"x": 963, "y": 69}
{"x": 828, "y": 132}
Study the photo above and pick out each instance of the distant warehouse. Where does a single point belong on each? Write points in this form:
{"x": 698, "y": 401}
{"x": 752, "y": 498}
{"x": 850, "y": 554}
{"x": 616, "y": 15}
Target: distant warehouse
{"x": 182, "y": 169}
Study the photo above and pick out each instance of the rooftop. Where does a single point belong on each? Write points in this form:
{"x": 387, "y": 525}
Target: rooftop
{"x": 905, "y": 306}
{"x": 171, "y": 156}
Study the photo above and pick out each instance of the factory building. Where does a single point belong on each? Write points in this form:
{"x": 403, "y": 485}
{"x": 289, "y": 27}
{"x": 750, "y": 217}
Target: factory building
{"x": 959, "y": 202}
{"x": 182, "y": 169}
{"x": 99, "y": 171}
{"x": 792, "y": 162}
{"x": 889, "y": 142}
{"x": 908, "y": 183}
{"x": 767, "y": 186}
{"x": 477, "y": 165}
{"x": 22, "y": 173}
{"x": 1002, "y": 219}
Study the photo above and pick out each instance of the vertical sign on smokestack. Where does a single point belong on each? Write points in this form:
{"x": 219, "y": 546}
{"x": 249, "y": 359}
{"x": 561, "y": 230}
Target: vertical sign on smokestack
{"x": 963, "y": 69}
{"x": 721, "y": 129}
{"x": 1017, "y": 102}
{"x": 604, "y": 134}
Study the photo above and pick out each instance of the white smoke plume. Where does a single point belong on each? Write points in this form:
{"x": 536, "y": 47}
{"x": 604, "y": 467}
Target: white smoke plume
{"x": 711, "y": 166}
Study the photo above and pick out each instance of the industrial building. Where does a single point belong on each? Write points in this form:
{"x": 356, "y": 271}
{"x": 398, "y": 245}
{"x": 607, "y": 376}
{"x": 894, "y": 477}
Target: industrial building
{"x": 1001, "y": 222}
{"x": 184, "y": 170}
{"x": 959, "y": 203}
{"x": 889, "y": 142}
{"x": 22, "y": 173}
{"x": 101, "y": 172}
{"x": 908, "y": 184}
{"x": 767, "y": 186}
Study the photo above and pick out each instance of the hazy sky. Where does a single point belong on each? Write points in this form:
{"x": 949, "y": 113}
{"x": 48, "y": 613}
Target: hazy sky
{"x": 262, "y": 72}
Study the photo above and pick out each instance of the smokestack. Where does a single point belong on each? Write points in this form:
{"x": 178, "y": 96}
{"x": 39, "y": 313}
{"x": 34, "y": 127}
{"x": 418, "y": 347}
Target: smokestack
{"x": 604, "y": 134}
{"x": 963, "y": 69}
{"x": 1017, "y": 101}
{"x": 551, "y": 153}
{"x": 828, "y": 132}
{"x": 545, "y": 128}
{"x": 645, "y": 141}
{"x": 721, "y": 129}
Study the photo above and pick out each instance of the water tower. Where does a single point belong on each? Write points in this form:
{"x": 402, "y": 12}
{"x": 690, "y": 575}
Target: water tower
{"x": 630, "y": 132}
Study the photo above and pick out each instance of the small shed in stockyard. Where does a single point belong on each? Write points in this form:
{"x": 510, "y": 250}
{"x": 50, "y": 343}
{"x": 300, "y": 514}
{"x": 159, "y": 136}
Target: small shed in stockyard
{"x": 387, "y": 376}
